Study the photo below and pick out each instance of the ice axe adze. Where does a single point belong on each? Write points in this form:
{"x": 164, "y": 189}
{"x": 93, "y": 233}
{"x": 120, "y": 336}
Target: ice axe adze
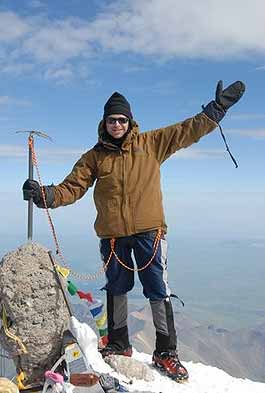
{"x": 30, "y": 175}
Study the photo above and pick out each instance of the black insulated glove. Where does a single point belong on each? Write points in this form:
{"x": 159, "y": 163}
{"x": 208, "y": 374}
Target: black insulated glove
{"x": 32, "y": 189}
{"x": 229, "y": 96}
{"x": 224, "y": 99}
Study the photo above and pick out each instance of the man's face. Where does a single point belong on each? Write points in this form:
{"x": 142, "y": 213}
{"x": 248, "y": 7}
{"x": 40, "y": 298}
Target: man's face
{"x": 117, "y": 125}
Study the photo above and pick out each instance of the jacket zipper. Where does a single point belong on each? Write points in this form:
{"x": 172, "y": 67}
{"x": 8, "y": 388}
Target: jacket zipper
{"x": 123, "y": 206}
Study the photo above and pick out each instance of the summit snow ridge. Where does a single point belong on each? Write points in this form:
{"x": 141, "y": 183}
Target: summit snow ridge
{"x": 203, "y": 379}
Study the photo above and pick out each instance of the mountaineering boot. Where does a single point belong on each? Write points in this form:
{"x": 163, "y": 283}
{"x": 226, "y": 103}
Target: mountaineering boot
{"x": 169, "y": 363}
{"x": 118, "y": 337}
{"x": 110, "y": 350}
{"x": 165, "y": 356}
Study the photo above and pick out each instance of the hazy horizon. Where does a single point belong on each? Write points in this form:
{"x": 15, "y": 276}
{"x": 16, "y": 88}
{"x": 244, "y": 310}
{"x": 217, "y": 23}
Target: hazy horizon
{"x": 220, "y": 280}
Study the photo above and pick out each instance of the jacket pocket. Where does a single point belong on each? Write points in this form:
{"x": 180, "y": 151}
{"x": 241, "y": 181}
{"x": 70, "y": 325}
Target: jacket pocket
{"x": 108, "y": 223}
{"x": 105, "y": 168}
{"x": 147, "y": 212}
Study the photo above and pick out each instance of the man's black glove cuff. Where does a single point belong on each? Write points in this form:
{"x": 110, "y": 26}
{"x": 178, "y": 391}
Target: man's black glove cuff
{"x": 214, "y": 111}
{"x": 49, "y": 196}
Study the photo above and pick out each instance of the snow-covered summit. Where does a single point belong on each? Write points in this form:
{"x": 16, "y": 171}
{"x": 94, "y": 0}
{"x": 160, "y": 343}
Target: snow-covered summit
{"x": 203, "y": 379}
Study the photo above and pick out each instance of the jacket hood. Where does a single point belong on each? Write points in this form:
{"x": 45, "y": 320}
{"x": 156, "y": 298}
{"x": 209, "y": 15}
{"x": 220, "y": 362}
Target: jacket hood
{"x": 134, "y": 131}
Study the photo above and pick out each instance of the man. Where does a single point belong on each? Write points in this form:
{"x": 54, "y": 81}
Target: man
{"x": 125, "y": 166}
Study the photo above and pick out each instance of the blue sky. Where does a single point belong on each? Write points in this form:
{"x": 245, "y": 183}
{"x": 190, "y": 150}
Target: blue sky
{"x": 61, "y": 60}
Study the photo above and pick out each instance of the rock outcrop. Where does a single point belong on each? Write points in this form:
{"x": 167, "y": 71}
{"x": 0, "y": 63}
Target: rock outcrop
{"x": 35, "y": 309}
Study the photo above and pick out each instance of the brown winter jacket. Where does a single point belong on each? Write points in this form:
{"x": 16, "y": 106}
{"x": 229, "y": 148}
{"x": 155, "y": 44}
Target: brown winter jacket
{"x": 127, "y": 192}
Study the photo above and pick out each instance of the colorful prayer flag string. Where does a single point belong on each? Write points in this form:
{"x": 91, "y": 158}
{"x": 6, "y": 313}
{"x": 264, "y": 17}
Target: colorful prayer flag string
{"x": 87, "y": 296}
{"x": 71, "y": 288}
{"x": 96, "y": 307}
{"x": 102, "y": 320}
{"x": 63, "y": 271}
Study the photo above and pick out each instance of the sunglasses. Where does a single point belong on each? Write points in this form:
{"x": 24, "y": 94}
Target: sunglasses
{"x": 120, "y": 120}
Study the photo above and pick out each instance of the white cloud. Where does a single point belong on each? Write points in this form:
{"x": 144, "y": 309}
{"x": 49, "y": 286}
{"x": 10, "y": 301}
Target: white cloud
{"x": 16, "y": 68}
{"x": 6, "y": 100}
{"x": 47, "y": 154}
{"x": 255, "y": 133}
{"x": 12, "y": 151}
{"x": 58, "y": 41}
{"x": 260, "y": 68}
{"x": 36, "y": 4}
{"x": 12, "y": 27}
{"x": 59, "y": 74}
{"x": 196, "y": 154}
{"x": 247, "y": 116}
{"x": 174, "y": 28}
{"x": 134, "y": 68}
{"x": 258, "y": 244}
{"x": 160, "y": 29}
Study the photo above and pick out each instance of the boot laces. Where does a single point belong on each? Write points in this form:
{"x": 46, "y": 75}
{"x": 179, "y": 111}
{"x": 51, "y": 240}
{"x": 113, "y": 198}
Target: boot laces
{"x": 173, "y": 360}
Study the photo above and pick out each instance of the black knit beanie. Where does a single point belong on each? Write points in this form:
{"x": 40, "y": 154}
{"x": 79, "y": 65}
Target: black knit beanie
{"x": 117, "y": 104}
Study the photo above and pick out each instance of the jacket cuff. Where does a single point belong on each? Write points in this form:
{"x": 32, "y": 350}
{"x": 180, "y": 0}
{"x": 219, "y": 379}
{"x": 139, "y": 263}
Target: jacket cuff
{"x": 214, "y": 111}
{"x": 49, "y": 194}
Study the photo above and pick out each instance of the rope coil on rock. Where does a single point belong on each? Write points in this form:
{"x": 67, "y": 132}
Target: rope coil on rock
{"x": 11, "y": 335}
{"x": 78, "y": 276}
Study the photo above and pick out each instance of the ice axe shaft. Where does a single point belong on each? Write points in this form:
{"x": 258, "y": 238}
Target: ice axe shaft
{"x": 60, "y": 284}
{"x": 30, "y": 202}
{"x": 30, "y": 174}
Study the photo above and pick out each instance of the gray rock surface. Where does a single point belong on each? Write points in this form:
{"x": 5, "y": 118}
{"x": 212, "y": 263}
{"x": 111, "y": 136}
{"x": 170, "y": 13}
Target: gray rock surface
{"x": 36, "y": 311}
{"x": 130, "y": 367}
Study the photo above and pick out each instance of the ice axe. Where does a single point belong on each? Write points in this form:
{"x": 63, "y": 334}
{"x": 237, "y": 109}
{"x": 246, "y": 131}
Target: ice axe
{"x": 30, "y": 173}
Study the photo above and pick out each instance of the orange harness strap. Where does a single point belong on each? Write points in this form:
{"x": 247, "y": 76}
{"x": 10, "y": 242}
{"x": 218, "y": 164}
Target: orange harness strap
{"x": 155, "y": 247}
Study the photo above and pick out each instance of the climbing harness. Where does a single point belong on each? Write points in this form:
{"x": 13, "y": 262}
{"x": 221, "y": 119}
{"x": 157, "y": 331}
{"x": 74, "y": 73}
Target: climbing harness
{"x": 155, "y": 247}
{"x": 78, "y": 276}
